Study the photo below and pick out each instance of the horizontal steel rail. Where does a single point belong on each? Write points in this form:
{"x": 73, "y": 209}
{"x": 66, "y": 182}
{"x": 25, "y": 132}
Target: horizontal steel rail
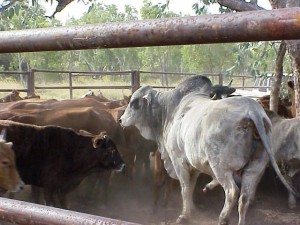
{"x": 24, "y": 213}
{"x": 261, "y": 25}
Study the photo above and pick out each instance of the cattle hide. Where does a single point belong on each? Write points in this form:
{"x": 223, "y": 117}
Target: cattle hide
{"x": 58, "y": 159}
{"x": 196, "y": 134}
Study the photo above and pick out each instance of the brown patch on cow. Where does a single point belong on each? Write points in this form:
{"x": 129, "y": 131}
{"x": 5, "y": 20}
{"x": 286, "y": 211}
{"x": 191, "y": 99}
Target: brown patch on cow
{"x": 247, "y": 123}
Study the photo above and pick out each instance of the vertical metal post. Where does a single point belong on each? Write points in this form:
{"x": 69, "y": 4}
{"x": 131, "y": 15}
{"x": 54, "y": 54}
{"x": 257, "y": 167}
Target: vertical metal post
{"x": 70, "y": 85}
{"x": 135, "y": 80}
{"x": 243, "y": 83}
{"x": 30, "y": 83}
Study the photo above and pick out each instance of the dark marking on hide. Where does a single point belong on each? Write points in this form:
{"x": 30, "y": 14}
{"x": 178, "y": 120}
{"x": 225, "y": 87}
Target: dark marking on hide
{"x": 247, "y": 124}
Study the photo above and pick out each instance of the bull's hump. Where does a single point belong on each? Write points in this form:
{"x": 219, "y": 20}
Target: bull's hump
{"x": 196, "y": 83}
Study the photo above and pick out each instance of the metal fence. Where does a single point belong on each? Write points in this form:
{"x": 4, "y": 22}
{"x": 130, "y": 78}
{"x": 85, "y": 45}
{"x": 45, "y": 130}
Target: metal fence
{"x": 233, "y": 27}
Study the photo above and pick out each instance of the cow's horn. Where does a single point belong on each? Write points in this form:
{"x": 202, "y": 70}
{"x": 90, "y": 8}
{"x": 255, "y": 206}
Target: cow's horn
{"x": 214, "y": 97}
{"x": 230, "y": 82}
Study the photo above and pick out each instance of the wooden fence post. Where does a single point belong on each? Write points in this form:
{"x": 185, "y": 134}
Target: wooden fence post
{"x": 30, "y": 83}
{"x": 70, "y": 85}
{"x": 220, "y": 79}
{"x": 135, "y": 80}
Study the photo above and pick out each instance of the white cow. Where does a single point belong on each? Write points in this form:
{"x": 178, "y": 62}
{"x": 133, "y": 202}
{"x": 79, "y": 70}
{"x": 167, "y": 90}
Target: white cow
{"x": 198, "y": 135}
{"x": 286, "y": 147}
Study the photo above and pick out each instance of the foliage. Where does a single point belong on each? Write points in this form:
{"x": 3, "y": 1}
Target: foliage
{"x": 232, "y": 59}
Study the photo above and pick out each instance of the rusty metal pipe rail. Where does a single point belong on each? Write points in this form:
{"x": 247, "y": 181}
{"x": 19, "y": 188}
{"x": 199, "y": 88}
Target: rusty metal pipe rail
{"x": 18, "y": 212}
{"x": 261, "y": 25}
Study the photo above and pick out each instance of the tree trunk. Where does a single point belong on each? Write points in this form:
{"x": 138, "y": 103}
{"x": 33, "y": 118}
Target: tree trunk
{"x": 278, "y": 77}
{"x": 293, "y": 47}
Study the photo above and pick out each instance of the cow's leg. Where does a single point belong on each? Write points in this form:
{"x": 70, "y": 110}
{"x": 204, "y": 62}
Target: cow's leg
{"x": 36, "y": 194}
{"x": 250, "y": 179}
{"x": 63, "y": 200}
{"x": 231, "y": 194}
{"x": 168, "y": 189}
{"x": 292, "y": 201}
{"x": 49, "y": 197}
{"x": 187, "y": 181}
{"x": 158, "y": 184}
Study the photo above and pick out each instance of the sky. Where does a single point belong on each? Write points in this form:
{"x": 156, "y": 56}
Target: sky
{"x": 76, "y": 9}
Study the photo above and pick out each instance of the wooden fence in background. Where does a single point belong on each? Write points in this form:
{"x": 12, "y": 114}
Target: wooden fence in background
{"x": 30, "y": 86}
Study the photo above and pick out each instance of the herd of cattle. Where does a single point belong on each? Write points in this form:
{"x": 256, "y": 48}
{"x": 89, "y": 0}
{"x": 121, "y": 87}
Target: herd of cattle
{"x": 55, "y": 145}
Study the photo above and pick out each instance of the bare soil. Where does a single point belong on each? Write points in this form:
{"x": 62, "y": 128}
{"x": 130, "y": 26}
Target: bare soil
{"x": 132, "y": 201}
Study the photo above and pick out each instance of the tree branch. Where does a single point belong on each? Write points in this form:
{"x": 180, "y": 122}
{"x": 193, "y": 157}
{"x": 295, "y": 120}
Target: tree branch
{"x": 5, "y": 7}
{"x": 240, "y": 5}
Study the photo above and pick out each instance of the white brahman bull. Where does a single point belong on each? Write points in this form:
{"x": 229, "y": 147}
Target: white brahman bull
{"x": 196, "y": 134}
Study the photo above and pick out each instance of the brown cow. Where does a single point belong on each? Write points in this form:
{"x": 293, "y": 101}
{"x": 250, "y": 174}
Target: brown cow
{"x": 58, "y": 159}
{"x": 9, "y": 177}
{"x": 63, "y": 104}
{"x": 112, "y": 104}
{"x": 11, "y": 97}
{"x": 161, "y": 180}
{"x": 284, "y": 109}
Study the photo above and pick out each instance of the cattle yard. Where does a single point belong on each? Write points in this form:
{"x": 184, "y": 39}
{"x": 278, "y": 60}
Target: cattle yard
{"x": 189, "y": 30}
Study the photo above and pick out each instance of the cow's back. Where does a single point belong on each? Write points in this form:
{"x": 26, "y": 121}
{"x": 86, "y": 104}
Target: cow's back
{"x": 222, "y": 121}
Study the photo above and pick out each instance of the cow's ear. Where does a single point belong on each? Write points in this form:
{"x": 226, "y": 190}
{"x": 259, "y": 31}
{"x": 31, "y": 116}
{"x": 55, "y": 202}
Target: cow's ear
{"x": 10, "y": 144}
{"x": 148, "y": 98}
{"x": 97, "y": 142}
{"x": 100, "y": 139}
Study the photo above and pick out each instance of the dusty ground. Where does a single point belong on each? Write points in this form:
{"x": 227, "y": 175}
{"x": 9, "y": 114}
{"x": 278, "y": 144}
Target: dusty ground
{"x": 133, "y": 203}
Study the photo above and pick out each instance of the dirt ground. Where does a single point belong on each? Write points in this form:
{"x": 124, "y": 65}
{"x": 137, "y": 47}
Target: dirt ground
{"x": 133, "y": 202}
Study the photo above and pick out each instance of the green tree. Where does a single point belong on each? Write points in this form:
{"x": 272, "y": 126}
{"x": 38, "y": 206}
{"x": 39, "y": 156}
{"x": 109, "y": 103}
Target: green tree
{"x": 106, "y": 59}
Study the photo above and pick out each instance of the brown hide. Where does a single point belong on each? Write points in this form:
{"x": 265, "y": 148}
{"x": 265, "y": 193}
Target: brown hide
{"x": 63, "y": 104}
{"x": 283, "y": 108}
{"x": 161, "y": 181}
{"x": 9, "y": 176}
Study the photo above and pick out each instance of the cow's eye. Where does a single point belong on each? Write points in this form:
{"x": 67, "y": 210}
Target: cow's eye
{"x": 135, "y": 104}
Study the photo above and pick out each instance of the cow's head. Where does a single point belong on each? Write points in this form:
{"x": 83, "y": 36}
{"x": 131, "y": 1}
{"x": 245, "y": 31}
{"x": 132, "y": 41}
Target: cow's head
{"x": 106, "y": 150}
{"x": 9, "y": 176}
{"x": 140, "y": 111}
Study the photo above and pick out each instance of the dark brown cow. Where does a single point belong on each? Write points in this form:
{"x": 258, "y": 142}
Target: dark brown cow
{"x": 58, "y": 159}
{"x": 91, "y": 119}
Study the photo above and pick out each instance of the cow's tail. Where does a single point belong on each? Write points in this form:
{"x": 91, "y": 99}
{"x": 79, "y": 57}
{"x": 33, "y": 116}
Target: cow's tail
{"x": 263, "y": 126}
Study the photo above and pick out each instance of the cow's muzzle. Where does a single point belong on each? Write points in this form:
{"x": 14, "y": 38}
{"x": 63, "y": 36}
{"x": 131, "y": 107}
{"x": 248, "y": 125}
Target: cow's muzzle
{"x": 121, "y": 168}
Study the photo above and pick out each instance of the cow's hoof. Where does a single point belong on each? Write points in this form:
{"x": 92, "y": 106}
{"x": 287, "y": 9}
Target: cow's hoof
{"x": 292, "y": 205}
{"x": 182, "y": 220}
{"x": 224, "y": 222}
{"x": 103, "y": 206}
